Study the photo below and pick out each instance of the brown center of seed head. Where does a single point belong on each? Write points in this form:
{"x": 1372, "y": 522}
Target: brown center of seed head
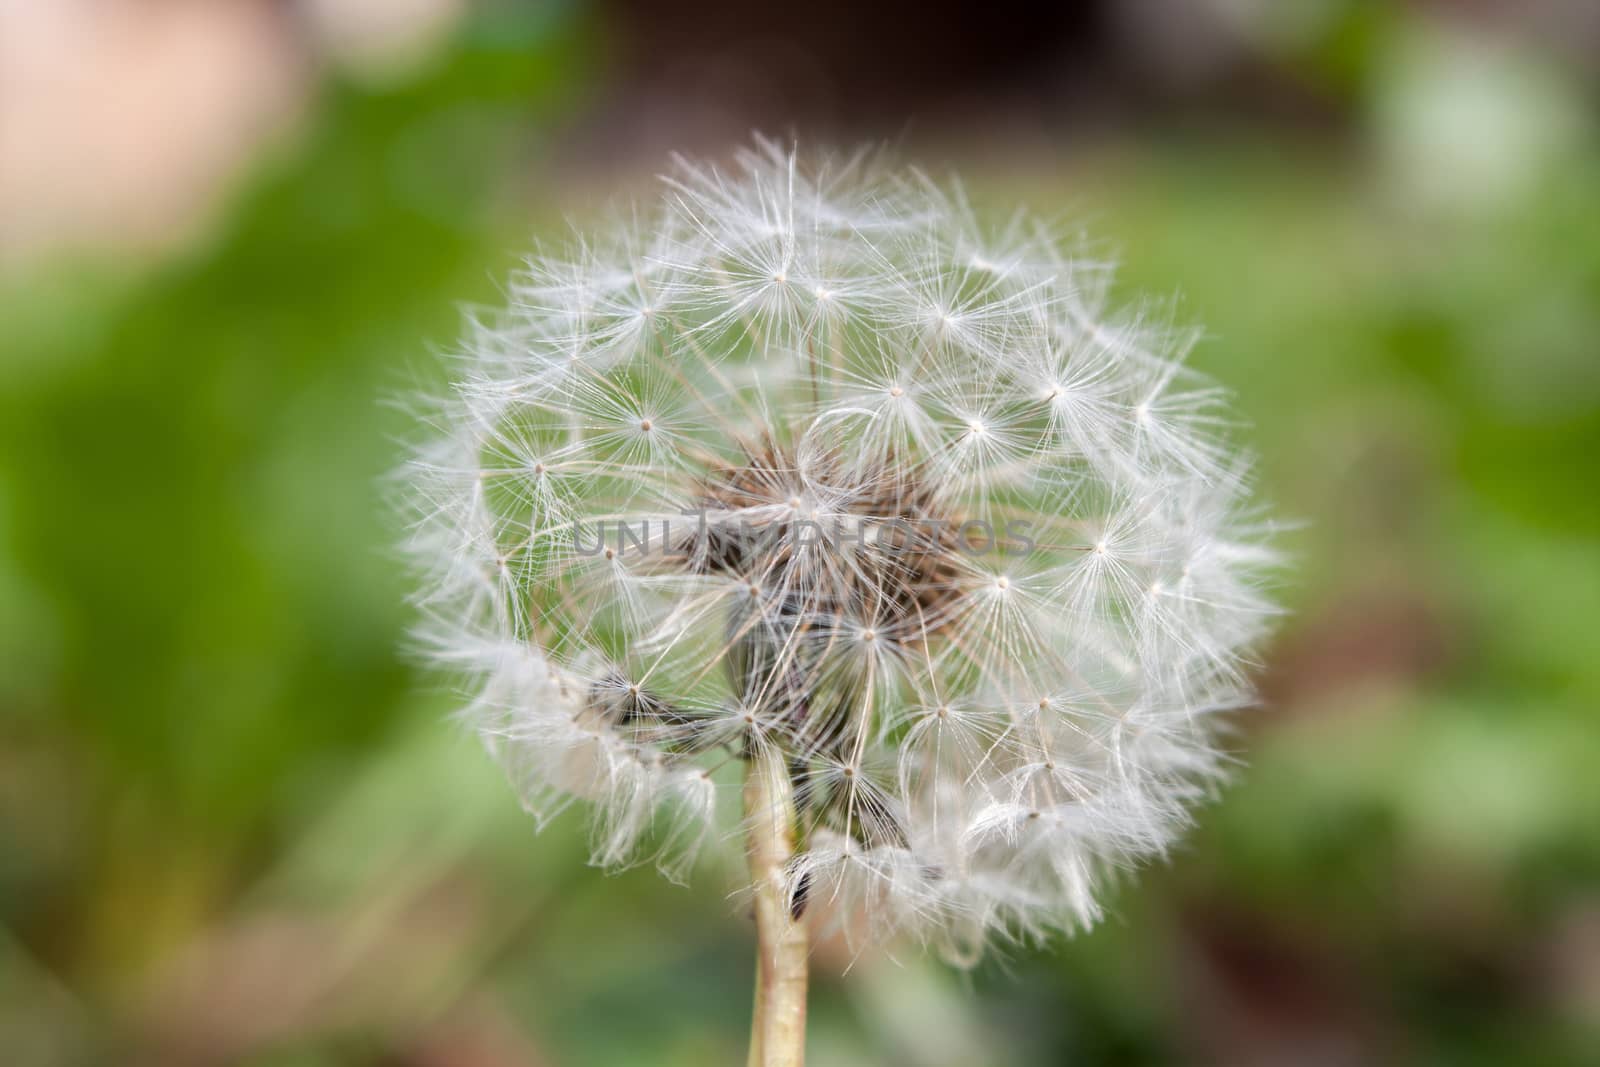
{"x": 876, "y": 552}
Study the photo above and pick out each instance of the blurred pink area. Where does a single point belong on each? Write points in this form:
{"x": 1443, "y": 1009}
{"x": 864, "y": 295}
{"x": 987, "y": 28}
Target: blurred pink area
{"x": 123, "y": 121}
{"x": 120, "y": 119}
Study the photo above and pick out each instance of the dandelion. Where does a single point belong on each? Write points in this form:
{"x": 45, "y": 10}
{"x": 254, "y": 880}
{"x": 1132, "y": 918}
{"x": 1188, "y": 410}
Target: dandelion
{"x": 808, "y": 477}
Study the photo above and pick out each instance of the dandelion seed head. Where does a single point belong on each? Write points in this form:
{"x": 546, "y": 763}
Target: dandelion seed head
{"x": 813, "y": 464}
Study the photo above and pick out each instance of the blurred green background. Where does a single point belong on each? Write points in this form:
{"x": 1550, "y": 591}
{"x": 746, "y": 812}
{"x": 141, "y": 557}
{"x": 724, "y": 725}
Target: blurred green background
{"x": 236, "y": 826}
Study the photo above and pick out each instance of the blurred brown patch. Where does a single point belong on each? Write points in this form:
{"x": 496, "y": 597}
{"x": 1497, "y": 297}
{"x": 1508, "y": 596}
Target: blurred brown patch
{"x": 400, "y": 971}
{"x": 1394, "y": 633}
{"x": 1257, "y": 993}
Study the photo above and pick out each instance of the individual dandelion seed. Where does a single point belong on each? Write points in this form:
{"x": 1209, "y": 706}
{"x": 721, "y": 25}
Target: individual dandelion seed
{"x": 807, "y": 472}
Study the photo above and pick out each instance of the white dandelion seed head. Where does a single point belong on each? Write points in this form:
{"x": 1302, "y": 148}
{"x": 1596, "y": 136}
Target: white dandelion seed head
{"x": 809, "y": 463}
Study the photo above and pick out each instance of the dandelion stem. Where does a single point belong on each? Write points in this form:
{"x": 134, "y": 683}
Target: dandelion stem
{"x": 778, "y": 1029}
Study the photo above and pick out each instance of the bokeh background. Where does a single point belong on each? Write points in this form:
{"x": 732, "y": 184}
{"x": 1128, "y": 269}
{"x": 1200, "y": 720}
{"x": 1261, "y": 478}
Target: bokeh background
{"x": 236, "y": 826}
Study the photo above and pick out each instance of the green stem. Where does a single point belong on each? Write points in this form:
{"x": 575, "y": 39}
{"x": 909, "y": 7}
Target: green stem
{"x": 778, "y": 1028}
